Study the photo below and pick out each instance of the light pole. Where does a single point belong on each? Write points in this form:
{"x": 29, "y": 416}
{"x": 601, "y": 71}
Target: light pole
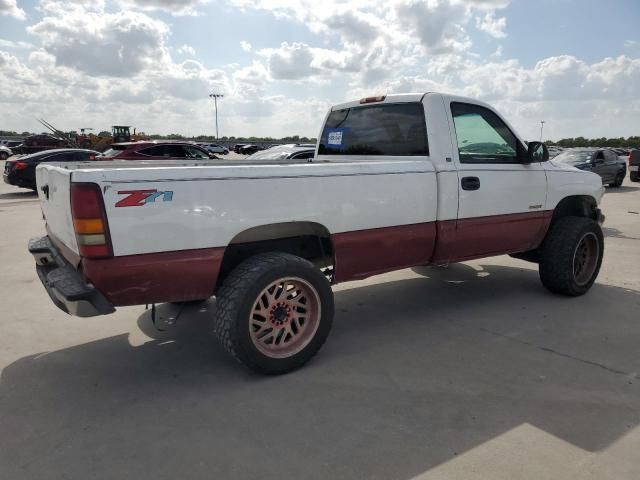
{"x": 542, "y": 122}
{"x": 215, "y": 97}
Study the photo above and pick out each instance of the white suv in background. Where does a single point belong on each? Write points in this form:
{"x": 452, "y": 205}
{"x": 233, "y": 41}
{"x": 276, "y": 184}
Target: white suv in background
{"x": 214, "y": 148}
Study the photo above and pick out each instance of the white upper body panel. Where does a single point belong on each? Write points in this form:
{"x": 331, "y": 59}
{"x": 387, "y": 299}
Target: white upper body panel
{"x": 210, "y": 205}
{"x": 564, "y": 180}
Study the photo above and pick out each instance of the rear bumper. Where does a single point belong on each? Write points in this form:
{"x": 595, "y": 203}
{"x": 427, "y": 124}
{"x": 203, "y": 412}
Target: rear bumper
{"x": 65, "y": 285}
{"x": 17, "y": 182}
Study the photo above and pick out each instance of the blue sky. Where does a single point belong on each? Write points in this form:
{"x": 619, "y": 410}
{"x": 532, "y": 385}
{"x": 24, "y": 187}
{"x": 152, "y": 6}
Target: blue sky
{"x": 282, "y": 63}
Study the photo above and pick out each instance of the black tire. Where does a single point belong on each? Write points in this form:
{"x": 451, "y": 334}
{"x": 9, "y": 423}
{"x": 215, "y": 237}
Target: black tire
{"x": 240, "y": 294}
{"x": 619, "y": 179}
{"x": 558, "y": 256}
{"x": 4, "y": 155}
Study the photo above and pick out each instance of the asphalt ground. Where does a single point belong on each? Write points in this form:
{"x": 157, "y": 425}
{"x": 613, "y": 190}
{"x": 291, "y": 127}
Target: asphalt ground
{"x": 470, "y": 371}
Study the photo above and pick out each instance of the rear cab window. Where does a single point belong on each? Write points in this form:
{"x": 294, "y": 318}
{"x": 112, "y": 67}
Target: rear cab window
{"x": 394, "y": 129}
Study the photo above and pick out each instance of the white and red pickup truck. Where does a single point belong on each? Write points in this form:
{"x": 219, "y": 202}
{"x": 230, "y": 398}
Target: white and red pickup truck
{"x": 397, "y": 181}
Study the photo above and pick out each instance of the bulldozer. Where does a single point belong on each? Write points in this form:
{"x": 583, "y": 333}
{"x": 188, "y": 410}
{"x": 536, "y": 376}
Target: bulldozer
{"x": 119, "y": 133}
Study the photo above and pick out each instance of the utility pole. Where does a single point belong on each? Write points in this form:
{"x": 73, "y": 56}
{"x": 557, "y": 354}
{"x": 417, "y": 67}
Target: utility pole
{"x": 542, "y": 122}
{"x": 215, "y": 97}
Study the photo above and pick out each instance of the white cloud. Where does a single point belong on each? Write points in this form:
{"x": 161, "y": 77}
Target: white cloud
{"x": 98, "y": 43}
{"x": 439, "y": 26}
{"x": 290, "y": 61}
{"x": 186, "y": 50}
{"x": 374, "y": 38}
{"x": 246, "y": 46}
{"x": 174, "y": 7}
{"x": 14, "y": 45}
{"x": 10, "y": 8}
{"x": 492, "y": 25}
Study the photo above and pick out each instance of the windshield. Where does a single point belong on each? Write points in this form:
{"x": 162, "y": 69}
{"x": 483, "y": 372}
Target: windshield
{"x": 575, "y": 157}
{"x": 113, "y": 151}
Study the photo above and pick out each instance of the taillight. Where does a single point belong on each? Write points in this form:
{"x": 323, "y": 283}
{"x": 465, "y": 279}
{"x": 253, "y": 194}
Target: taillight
{"x": 379, "y": 98}
{"x": 90, "y": 221}
{"x": 18, "y": 165}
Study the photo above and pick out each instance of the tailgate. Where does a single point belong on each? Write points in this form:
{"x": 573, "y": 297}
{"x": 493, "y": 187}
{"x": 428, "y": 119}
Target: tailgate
{"x": 54, "y": 192}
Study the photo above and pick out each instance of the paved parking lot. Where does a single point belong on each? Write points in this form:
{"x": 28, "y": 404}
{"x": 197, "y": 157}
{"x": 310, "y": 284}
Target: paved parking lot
{"x": 471, "y": 371}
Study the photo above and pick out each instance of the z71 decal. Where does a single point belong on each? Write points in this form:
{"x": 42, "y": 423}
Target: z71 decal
{"x": 138, "y": 198}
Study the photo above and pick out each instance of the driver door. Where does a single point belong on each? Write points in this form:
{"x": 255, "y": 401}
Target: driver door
{"x": 501, "y": 207}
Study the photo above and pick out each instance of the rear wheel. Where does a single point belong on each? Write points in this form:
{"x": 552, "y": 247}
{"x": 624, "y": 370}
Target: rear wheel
{"x": 571, "y": 255}
{"x": 274, "y": 312}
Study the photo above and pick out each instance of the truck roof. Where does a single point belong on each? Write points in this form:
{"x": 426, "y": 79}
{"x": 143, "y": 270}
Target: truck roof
{"x": 391, "y": 98}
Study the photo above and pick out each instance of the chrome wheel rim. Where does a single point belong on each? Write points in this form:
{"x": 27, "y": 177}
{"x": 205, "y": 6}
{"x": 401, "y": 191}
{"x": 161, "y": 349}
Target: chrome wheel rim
{"x": 285, "y": 317}
{"x": 585, "y": 258}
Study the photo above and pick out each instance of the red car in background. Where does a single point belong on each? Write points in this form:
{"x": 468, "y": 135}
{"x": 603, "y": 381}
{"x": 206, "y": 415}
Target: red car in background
{"x": 156, "y": 150}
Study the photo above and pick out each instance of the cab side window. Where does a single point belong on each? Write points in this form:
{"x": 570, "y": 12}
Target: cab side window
{"x": 483, "y": 137}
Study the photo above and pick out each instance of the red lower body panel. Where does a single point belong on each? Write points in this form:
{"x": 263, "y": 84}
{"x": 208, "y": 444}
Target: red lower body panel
{"x": 192, "y": 274}
{"x": 498, "y": 235}
{"x": 363, "y": 253}
{"x": 155, "y": 277}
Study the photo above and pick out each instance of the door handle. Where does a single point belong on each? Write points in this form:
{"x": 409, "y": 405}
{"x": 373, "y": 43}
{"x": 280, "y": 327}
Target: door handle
{"x": 45, "y": 190}
{"x": 470, "y": 183}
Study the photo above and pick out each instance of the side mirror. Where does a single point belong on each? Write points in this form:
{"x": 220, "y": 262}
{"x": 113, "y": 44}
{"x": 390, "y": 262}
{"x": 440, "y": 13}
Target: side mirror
{"x": 537, "y": 152}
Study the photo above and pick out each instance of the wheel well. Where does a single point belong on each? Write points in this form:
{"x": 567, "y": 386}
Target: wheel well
{"x": 308, "y": 240}
{"x": 576, "y": 206}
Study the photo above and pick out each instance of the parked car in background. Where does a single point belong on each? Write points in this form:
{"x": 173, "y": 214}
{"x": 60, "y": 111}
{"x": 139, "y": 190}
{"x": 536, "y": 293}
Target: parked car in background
{"x": 621, "y": 152}
{"x": 250, "y": 149}
{"x": 5, "y": 152}
{"x": 10, "y": 143}
{"x": 238, "y": 146}
{"x": 634, "y": 165}
{"x": 293, "y": 151}
{"x": 554, "y": 150}
{"x": 603, "y": 161}
{"x": 21, "y": 172}
{"x": 156, "y": 150}
{"x": 214, "y": 148}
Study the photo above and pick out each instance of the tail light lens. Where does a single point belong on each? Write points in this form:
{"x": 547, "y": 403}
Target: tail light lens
{"x": 90, "y": 221}
{"x": 18, "y": 165}
{"x": 379, "y": 98}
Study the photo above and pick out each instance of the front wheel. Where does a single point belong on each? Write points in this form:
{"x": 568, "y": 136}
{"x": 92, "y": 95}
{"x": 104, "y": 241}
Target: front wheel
{"x": 274, "y": 312}
{"x": 571, "y": 255}
{"x": 619, "y": 179}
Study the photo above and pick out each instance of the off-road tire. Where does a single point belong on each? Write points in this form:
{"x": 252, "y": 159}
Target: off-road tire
{"x": 238, "y": 295}
{"x": 557, "y": 268}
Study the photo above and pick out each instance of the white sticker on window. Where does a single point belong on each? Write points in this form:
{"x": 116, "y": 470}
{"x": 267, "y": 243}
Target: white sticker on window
{"x": 335, "y": 138}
